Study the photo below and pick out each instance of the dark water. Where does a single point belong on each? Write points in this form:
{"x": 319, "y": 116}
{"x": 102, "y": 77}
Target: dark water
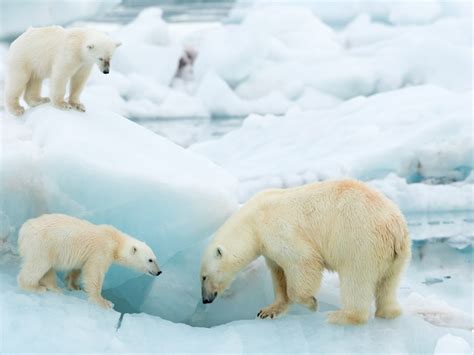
{"x": 173, "y": 10}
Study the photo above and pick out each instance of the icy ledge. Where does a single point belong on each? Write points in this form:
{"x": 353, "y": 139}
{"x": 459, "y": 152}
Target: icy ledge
{"x": 75, "y": 325}
{"x": 109, "y": 170}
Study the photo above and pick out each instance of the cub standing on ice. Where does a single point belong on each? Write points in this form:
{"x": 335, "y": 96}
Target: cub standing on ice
{"x": 59, "y": 242}
{"x": 60, "y": 54}
{"x": 341, "y": 226}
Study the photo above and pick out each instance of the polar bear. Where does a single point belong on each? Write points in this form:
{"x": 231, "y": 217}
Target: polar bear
{"x": 342, "y": 226}
{"x": 58, "y": 242}
{"x": 60, "y": 54}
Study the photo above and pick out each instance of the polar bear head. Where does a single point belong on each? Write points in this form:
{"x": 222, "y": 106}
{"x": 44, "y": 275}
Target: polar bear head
{"x": 139, "y": 256}
{"x": 217, "y": 272}
{"x": 99, "y": 49}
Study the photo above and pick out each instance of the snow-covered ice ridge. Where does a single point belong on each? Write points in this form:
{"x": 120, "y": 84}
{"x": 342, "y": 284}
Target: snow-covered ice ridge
{"x": 281, "y": 57}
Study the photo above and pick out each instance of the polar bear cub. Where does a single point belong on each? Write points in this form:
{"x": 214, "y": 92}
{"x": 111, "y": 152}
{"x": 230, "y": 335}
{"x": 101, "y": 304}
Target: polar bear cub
{"x": 342, "y": 226}
{"x": 56, "y": 242}
{"x": 63, "y": 55}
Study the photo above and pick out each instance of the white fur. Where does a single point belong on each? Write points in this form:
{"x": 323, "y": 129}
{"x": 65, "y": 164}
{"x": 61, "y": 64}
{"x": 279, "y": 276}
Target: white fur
{"x": 342, "y": 226}
{"x": 60, "y": 54}
{"x": 59, "y": 242}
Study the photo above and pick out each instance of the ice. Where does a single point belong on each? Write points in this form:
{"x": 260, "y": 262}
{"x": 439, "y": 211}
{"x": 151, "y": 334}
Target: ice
{"x": 450, "y": 344}
{"x": 18, "y": 15}
{"x": 394, "y": 12}
{"x": 107, "y": 169}
{"x": 80, "y": 326}
{"x": 425, "y": 137}
{"x": 147, "y": 48}
{"x": 219, "y": 98}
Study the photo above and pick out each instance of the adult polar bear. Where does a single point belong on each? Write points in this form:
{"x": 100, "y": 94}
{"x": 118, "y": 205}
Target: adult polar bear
{"x": 60, "y": 54}
{"x": 54, "y": 242}
{"x": 342, "y": 226}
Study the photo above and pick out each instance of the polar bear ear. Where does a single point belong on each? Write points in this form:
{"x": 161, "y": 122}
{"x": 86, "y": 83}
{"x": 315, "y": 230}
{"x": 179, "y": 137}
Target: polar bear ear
{"x": 90, "y": 46}
{"x": 133, "y": 250}
{"x": 118, "y": 44}
{"x": 219, "y": 252}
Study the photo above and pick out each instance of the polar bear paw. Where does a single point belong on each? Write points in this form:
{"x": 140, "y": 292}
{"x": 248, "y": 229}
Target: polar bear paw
{"x": 388, "y": 312}
{"x": 102, "y": 302}
{"x": 347, "y": 317}
{"x": 17, "y": 111}
{"x": 78, "y": 106}
{"x": 63, "y": 105}
{"x": 273, "y": 311}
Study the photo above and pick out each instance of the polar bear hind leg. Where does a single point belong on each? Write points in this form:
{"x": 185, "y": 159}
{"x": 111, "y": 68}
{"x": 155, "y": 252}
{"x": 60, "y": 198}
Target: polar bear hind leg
{"x": 31, "y": 273}
{"x": 49, "y": 281}
{"x": 15, "y": 86}
{"x": 357, "y": 295}
{"x": 33, "y": 93}
{"x": 72, "y": 279}
{"x": 387, "y": 305}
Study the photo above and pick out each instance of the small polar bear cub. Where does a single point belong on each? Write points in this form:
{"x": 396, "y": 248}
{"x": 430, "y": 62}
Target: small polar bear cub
{"x": 63, "y": 55}
{"x": 342, "y": 226}
{"x": 56, "y": 242}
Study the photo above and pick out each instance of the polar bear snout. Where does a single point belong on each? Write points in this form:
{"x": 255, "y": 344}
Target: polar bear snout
{"x": 208, "y": 298}
{"x": 208, "y": 294}
{"x": 153, "y": 268}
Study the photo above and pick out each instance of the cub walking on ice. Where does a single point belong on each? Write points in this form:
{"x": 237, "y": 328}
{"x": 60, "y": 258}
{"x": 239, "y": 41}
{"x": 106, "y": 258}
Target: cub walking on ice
{"x": 56, "y": 242}
{"x": 342, "y": 226}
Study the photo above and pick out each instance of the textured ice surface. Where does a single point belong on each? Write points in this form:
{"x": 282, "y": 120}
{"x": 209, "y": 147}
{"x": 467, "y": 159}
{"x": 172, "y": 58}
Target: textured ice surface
{"x": 436, "y": 316}
{"x": 107, "y": 169}
{"x": 422, "y": 134}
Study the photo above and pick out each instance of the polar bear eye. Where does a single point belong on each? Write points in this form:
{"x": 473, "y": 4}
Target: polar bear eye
{"x": 204, "y": 278}
{"x": 150, "y": 260}
{"x": 101, "y": 59}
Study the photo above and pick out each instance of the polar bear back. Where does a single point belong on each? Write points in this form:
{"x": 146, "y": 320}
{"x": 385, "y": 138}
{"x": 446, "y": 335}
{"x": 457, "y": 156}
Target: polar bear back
{"x": 67, "y": 242}
{"x": 344, "y": 220}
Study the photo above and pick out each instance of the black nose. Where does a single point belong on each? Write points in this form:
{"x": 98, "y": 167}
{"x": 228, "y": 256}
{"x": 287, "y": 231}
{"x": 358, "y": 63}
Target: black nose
{"x": 206, "y": 301}
{"x": 105, "y": 71}
{"x": 159, "y": 273}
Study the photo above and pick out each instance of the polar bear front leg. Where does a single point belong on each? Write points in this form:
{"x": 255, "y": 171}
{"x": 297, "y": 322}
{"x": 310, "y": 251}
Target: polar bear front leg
{"x": 59, "y": 80}
{"x": 281, "y": 303}
{"x": 93, "y": 277}
{"x": 304, "y": 280}
{"x": 78, "y": 81}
